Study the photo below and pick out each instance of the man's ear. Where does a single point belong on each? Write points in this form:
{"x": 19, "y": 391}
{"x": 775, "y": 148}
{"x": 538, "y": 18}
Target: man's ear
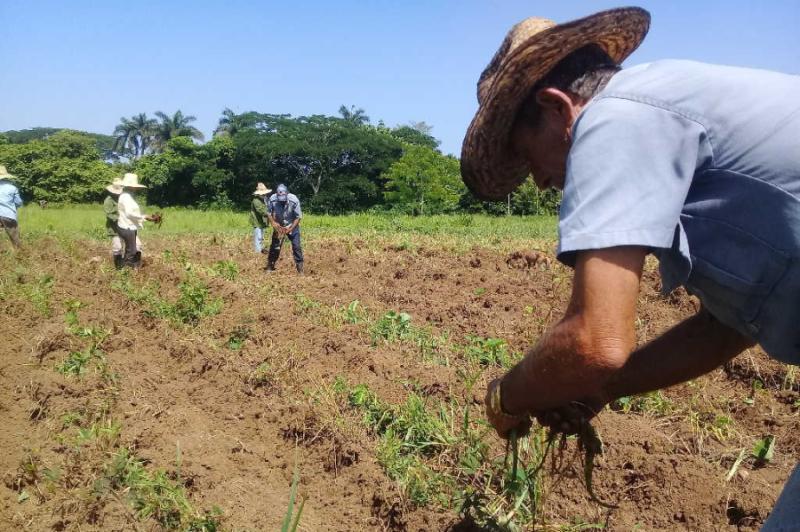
{"x": 556, "y": 102}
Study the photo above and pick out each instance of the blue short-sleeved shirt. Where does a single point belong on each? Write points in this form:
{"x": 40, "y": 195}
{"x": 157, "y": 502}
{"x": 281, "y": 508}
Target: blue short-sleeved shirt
{"x": 10, "y": 199}
{"x": 284, "y": 212}
{"x": 700, "y": 163}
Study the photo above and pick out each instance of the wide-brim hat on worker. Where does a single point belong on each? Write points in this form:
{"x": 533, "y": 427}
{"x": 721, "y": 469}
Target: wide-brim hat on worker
{"x": 261, "y": 190}
{"x": 115, "y": 187}
{"x": 131, "y": 181}
{"x": 5, "y": 175}
{"x": 489, "y": 166}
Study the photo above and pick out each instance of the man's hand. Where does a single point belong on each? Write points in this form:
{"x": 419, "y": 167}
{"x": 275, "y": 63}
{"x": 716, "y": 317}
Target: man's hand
{"x": 569, "y": 419}
{"x": 502, "y": 422}
{"x": 277, "y": 227}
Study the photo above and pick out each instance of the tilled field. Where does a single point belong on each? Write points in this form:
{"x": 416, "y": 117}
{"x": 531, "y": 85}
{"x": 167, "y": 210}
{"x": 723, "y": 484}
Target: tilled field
{"x": 185, "y": 396}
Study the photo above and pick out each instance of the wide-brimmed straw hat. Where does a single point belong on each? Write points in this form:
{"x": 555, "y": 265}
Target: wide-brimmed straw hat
{"x": 131, "y": 181}
{"x": 261, "y": 190}
{"x": 115, "y": 187}
{"x": 5, "y": 175}
{"x": 531, "y": 49}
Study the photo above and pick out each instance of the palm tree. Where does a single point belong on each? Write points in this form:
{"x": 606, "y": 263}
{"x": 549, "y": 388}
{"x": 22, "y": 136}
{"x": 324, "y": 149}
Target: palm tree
{"x": 228, "y": 125}
{"x": 134, "y": 134}
{"x": 353, "y": 115}
{"x": 177, "y": 125}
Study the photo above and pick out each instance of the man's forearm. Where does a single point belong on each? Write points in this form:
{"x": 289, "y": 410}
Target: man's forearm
{"x": 559, "y": 370}
{"x": 692, "y": 348}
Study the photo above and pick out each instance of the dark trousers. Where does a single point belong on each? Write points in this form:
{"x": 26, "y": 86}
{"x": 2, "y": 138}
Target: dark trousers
{"x": 131, "y": 256}
{"x": 12, "y": 229}
{"x": 277, "y": 242}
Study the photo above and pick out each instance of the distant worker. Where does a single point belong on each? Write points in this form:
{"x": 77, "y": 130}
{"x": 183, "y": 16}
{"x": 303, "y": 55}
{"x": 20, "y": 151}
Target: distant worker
{"x": 10, "y": 201}
{"x": 130, "y": 220}
{"x": 111, "y": 209}
{"x": 258, "y": 216}
{"x": 283, "y": 212}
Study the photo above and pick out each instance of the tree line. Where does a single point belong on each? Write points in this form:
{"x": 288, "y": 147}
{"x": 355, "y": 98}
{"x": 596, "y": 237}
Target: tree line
{"x": 336, "y": 164}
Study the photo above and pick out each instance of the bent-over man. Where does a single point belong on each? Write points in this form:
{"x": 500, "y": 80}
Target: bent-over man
{"x": 283, "y": 212}
{"x": 697, "y": 164}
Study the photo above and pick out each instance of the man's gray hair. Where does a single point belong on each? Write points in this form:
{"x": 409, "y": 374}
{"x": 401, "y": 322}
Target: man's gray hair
{"x": 584, "y": 72}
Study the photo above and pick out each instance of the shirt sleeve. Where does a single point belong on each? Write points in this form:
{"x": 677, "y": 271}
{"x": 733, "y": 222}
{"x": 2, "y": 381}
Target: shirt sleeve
{"x": 628, "y": 173}
{"x": 297, "y": 210}
{"x": 111, "y": 210}
{"x": 260, "y": 207}
{"x": 17, "y": 199}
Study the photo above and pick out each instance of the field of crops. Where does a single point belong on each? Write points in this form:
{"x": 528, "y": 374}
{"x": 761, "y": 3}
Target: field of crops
{"x": 201, "y": 393}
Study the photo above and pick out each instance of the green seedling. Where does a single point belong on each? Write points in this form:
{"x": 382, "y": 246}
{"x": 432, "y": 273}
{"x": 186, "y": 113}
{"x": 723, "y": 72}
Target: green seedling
{"x": 764, "y": 449}
{"x": 291, "y": 521}
{"x": 227, "y": 269}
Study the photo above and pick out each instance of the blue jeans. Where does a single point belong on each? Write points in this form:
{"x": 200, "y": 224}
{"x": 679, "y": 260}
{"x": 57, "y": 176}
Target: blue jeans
{"x": 275, "y": 248}
{"x": 258, "y": 239}
{"x": 785, "y": 516}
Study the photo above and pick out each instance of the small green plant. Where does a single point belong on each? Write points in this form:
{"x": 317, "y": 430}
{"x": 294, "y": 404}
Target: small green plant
{"x": 764, "y": 449}
{"x": 651, "y": 403}
{"x": 153, "y": 495}
{"x": 391, "y": 327}
{"x": 292, "y": 520}
{"x": 487, "y": 351}
{"x": 238, "y": 336}
{"x": 39, "y": 293}
{"x": 479, "y": 291}
{"x": 194, "y": 302}
{"x": 354, "y": 313}
{"x": 77, "y": 361}
{"x": 227, "y": 269}
{"x": 262, "y": 375}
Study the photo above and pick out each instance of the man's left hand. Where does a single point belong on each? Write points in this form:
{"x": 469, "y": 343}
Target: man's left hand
{"x": 502, "y": 422}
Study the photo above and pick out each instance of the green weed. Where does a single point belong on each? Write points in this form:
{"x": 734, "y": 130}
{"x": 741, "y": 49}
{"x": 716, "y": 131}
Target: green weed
{"x": 153, "y": 495}
{"x": 488, "y": 351}
{"x": 227, "y": 269}
{"x": 262, "y": 375}
{"x": 292, "y": 520}
{"x": 391, "y": 327}
{"x": 76, "y": 363}
{"x": 238, "y": 336}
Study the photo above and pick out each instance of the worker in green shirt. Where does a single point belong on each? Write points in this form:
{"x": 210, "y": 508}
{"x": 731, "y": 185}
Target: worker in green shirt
{"x": 258, "y": 214}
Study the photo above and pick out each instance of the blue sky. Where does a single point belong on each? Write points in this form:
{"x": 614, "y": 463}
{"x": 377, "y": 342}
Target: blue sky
{"x": 83, "y": 64}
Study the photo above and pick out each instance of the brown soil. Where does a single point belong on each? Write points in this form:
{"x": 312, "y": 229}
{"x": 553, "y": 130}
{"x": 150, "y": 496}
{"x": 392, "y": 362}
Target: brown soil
{"x": 184, "y": 388}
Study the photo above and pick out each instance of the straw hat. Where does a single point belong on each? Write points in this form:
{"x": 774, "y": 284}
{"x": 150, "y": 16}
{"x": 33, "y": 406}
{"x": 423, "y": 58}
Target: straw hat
{"x": 115, "y": 187}
{"x": 261, "y": 190}
{"x": 131, "y": 181}
{"x": 5, "y": 175}
{"x": 531, "y": 49}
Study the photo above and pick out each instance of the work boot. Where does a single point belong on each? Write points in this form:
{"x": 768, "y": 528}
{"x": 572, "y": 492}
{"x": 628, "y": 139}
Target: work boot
{"x": 118, "y": 262}
{"x": 137, "y": 260}
{"x": 299, "y": 266}
{"x": 270, "y": 267}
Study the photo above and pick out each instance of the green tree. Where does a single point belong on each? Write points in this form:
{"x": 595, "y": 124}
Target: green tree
{"x": 334, "y": 165}
{"x": 134, "y": 135}
{"x": 424, "y": 181}
{"x": 412, "y": 135}
{"x": 169, "y": 127}
{"x": 186, "y": 173}
{"x": 353, "y": 115}
{"x": 64, "y": 167}
{"x": 528, "y": 199}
